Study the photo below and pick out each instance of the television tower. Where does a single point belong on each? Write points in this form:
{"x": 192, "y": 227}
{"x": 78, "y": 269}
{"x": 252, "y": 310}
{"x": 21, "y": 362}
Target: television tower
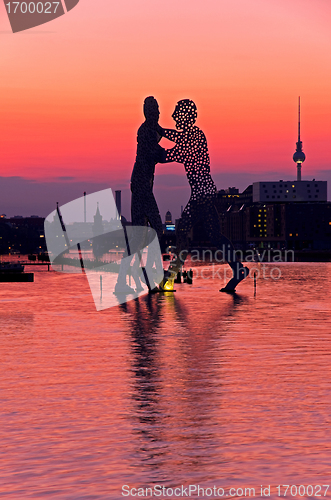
{"x": 299, "y": 156}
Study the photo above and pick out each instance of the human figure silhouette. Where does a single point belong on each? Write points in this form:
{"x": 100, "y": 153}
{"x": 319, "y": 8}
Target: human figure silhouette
{"x": 191, "y": 150}
{"x": 144, "y": 208}
{"x": 143, "y": 205}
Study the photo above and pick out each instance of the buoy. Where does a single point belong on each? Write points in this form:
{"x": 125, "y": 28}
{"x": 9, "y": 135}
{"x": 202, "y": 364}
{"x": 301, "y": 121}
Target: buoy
{"x": 167, "y": 285}
{"x": 178, "y": 278}
{"x": 189, "y": 279}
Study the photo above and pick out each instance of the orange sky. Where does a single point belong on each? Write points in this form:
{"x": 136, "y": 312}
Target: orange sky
{"x": 72, "y": 90}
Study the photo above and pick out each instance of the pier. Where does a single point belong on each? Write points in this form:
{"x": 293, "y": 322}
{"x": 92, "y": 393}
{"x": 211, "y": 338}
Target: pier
{"x": 16, "y": 277}
{"x": 32, "y": 263}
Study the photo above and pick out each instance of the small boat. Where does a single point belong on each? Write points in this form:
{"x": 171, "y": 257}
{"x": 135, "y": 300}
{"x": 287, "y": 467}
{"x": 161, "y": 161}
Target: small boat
{"x": 10, "y": 267}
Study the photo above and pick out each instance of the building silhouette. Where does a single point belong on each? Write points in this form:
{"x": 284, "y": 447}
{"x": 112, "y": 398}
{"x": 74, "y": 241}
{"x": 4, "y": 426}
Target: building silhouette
{"x": 168, "y": 218}
{"x": 118, "y": 201}
{"x": 97, "y": 225}
{"x": 22, "y": 234}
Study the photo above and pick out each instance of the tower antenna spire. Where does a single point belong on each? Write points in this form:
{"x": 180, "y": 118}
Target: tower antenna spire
{"x": 299, "y": 122}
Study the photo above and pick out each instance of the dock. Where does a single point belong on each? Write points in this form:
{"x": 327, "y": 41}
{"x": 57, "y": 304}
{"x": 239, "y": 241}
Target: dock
{"x": 16, "y": 277}
{"x": 35, "y": 263}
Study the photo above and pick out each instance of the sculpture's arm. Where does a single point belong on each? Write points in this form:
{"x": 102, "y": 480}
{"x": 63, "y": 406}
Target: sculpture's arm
{"x": 173, "y": 154}
{"x": 168, "y": 133}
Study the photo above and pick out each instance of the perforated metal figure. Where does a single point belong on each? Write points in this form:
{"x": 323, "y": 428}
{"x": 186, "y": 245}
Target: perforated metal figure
{"x": 191, "y": 150}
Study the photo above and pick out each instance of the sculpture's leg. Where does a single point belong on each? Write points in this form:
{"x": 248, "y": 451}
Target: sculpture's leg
{"x": 212, "y": 224}
{"x": 239, "y": 275}
{"x": 153, "y": 256}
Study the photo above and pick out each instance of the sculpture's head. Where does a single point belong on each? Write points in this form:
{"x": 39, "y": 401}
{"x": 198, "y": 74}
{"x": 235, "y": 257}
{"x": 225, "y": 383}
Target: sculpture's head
{"x": 151, "y": 109}
{"x": 185, "y": 114}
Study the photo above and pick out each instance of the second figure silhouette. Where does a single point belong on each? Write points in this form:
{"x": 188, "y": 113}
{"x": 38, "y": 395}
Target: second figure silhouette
{"x": 191, "y": 150}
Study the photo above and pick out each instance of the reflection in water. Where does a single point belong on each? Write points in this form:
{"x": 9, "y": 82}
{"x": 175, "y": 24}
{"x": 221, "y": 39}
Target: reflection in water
{"x": 144, "y": 318}
{"x": 180, "y": 388}
{"x": 177, "y": 383}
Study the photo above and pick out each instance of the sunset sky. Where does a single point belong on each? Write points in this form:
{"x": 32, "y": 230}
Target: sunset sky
{"x": 72, "y": 93}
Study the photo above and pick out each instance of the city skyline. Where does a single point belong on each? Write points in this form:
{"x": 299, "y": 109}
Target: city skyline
{"x": 71, "y": 95}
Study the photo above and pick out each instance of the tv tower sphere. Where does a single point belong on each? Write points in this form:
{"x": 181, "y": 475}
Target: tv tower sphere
{"x": 299, "y": 156}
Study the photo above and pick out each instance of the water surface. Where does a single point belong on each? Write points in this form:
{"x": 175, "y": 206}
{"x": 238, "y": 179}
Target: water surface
{"x": 191, "y": 387}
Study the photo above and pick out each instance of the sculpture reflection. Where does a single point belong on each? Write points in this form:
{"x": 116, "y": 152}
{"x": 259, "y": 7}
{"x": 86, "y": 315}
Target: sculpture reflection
{"x": 176, "y": 360}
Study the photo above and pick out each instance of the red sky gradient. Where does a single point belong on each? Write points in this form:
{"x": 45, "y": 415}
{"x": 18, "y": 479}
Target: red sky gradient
{"x": 72, "y": 90}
